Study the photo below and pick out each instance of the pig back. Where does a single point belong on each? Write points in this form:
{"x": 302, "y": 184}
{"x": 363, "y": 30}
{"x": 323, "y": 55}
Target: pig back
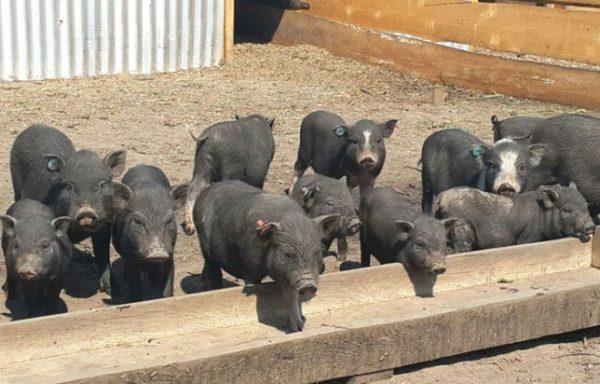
{"x": 572, "y": 152}
{"x": 29, "y": 168}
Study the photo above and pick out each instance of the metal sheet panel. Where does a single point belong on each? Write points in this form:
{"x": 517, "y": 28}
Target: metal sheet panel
{"x": 45, "y": 39}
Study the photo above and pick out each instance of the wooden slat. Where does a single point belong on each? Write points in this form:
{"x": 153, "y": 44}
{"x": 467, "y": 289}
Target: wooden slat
{"x": 339, "y": 343}
{"x": 589, "y": 3}
{"x": 491, "y": 74}
{"x": 516, "y": 28}
{"x": 230, "y": 317}
{"x": 229, "y": 29}
{"x": 596, "y": 249}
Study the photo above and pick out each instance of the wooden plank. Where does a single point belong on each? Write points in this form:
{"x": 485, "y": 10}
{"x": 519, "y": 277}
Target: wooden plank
{"x": 491, "y": 74}
{"x": 229, "y": 29}
{"x": 596, "y": 249}
{"x": 589, "y": 3}
{"x": 239, "y": 307}
{"x": 516, "y": 28}
{"x": 354, "y": 341}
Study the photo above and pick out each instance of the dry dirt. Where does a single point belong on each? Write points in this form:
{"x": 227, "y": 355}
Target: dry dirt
{"x": 149, "y": 117}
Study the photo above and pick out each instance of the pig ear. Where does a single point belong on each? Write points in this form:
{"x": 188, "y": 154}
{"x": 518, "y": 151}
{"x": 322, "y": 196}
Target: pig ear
{"x": 54, "y": 163}
{"x": 572, "y": 185}
{"x": 8, "y": 225}
{"x": 122, "y": 194}
{"x": 265, "y": 229}
{"x": 535, "y": 152}
{"x": 271, "y": 123}
{"x": 179, "y": 195}
{"x": 404, "y": 229}
{"x": 344, "y": 180}
{"x": 341, "y": 130}
{"x": 115, "y": 160}
{"x": 328, "y": 225}
{"x": 388, "y": 127}
{"x": 549, "y": 197}
{"x": 449, "y": 223}
{"x": 61, "y": 225}
{"x": 308, "y": 194}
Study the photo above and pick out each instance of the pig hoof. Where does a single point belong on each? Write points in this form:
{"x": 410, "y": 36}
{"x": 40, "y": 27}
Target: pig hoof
{"x": 188, "y": 229}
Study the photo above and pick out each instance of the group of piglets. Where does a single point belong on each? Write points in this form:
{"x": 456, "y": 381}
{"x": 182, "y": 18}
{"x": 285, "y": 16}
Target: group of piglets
{"x": 538, "y": 181}
{"x": 63, "y": 196}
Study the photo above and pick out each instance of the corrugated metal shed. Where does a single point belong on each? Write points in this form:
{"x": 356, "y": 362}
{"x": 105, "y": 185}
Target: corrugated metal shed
{"x": 45, "y": 39}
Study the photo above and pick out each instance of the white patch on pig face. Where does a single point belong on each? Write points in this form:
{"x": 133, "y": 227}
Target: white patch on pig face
{"x": 507, "y": 176}
{"x": 366, "y": 151}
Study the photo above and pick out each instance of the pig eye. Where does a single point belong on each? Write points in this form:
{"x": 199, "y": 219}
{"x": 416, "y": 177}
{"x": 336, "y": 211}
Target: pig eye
{"x": 137, "y": 222}
{"x": 353, "y": 141}
{"x": 68, "y": 187}
{"x": 419, "y": 246}
{"x": 379, "y": 141}
{"x": 102, "y": 184}
{"x": 46, "y": 245}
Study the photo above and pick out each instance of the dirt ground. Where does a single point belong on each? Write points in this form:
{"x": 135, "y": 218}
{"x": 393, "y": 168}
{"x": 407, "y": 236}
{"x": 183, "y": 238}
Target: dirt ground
{"x": 149, "y": 117}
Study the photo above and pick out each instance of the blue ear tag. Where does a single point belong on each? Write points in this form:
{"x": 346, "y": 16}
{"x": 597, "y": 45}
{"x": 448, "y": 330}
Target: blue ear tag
{"x": 340, "y": 131}
{"x": 53, "y": 165}
{"x": 477, "y": 151}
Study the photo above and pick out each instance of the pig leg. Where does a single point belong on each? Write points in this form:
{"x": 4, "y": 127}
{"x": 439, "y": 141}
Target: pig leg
{"x": 161, "y": 277}
{"x": 427, "y": 201}
{"x": 11, "y": 288}
{"x": 365, "y": 256}
{"x": 133, "y": 276}
{"x": 212, "y": 276}
{"x": 168, "y": 286}
{"x": 51, "y": 298}
{"x": 101, "y": 245}
{"x": 342, "y": 246}
{"x": 291, "y": 301}
{"x": 197, "y": 185}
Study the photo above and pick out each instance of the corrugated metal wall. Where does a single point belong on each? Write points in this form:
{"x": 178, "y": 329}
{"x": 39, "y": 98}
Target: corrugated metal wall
{"x": 45, "y": 39}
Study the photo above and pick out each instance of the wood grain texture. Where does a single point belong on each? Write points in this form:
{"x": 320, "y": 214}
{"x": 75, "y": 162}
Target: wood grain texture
{"x": 342, "y": 343}
{"x": 516, "y": 28}
{"x": 229, "y": 26}
{"x": 490, "y": 74}
{"x": 596, "y": 249}
{"x": 210, "y": 324}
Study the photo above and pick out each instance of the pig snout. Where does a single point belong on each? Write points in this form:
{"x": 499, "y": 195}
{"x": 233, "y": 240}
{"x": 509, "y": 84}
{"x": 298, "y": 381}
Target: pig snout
{"x": 306, "y": 287}
{"x": 86, "y": 216}
{"x": 368, "y": 161}
{"x": 436, "y": 263}
{"x": 157, "y": 253}
{"x": 27, "y": 274}
{"x": 506, "y": 190}
{"x": 589, "y": 230}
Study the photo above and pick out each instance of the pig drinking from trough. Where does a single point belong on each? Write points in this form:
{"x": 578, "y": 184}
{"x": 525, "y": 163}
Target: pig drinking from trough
{"x": 46, "y": 167}
{"x": 37, "y": 251}
{"x": 145, "y": 230}
{"x": 549, "y": 212}
{"x": 252, "y": 234}
{"x": 320, "y": 195}
{"x": 453, "y": 158}
{"x": 234, "y": 150}
{"x": 569, "y": 147}
{"x": 335, "y": 149}
{"x": 393, "y": 231}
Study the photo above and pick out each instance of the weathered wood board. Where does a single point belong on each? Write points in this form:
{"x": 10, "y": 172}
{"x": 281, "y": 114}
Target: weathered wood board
{"x": 355, "y": 324}
{"x": 517, "y": 28}
{"x": 434, "y": 62}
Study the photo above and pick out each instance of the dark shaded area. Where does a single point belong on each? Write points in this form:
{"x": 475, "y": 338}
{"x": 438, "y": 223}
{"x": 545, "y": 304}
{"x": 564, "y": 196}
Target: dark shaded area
{"x": 268, "y": 305}
{"x": 81, "y": 279}
{"x": 18, "y": 310}
{"x": 257, "y": 21}
{"x": 192, "y": 283}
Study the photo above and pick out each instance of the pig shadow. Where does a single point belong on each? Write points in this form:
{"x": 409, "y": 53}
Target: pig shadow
{"x": 192, "y": 283}
{"x": 349, "y": 265}
{"x": 269, "y": 308}
{"x": 18, "y": 309}
{"x": 81, "y": 280}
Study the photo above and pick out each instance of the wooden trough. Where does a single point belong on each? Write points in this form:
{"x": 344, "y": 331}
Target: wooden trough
{"x": 362, "y": 321}
{"x": 549, "y": 53}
